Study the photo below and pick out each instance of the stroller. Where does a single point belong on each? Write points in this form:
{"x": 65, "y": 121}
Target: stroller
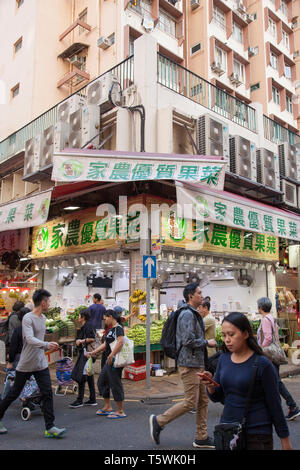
{"x": 63, "y": 374}
{"x": 30, "y": 395}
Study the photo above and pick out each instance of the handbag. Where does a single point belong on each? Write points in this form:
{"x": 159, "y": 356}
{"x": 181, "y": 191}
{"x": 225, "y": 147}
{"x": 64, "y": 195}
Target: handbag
{"x": 125, "y": 357}
{"x": 274, "y": 351}
{"x": 232, "y": 436}
{"x": 77, "y": 372}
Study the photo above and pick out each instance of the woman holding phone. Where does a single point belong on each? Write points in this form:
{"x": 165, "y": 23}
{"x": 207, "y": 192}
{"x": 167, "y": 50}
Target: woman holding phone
{"x": 233, "y": 375}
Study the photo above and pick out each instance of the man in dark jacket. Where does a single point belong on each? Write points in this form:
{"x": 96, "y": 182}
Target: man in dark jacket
{"x": 191, "y": 343}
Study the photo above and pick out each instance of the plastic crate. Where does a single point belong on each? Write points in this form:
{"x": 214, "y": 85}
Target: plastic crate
{"x": 136, "y": 371}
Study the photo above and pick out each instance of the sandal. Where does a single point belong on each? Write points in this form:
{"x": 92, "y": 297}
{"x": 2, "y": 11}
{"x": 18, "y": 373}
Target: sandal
{"x": 115, "y": 416}
{"x": 103, "y": 413}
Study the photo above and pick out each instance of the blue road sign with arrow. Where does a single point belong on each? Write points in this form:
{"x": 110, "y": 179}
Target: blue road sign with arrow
{"x": 149, "y": 267}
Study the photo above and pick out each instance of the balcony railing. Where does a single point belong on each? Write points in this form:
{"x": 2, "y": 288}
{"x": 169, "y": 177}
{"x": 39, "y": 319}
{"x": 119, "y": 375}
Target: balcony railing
{"x": 192, "y": 86}
{"x": 279, "y": 134}
{"x": 15, "y": 143}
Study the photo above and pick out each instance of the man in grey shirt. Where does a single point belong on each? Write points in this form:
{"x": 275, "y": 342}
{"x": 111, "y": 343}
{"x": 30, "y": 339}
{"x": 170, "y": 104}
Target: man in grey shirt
{"x": 33, "y": 362}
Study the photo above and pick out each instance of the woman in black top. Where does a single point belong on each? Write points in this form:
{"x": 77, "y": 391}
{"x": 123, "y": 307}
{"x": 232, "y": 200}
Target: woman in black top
{"x": 86, "y": 335}
{"x": 110, "y": 377}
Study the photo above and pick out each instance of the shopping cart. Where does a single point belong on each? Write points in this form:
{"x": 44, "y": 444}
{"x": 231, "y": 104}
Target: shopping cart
{"x": 64, "y": 369}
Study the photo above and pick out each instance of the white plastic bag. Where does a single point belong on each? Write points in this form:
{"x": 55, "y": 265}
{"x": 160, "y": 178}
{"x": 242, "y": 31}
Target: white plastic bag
{"x": 125, "y": 357}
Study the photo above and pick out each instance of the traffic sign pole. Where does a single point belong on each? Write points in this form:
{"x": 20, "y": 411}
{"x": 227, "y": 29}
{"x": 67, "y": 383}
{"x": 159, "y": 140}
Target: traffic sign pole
{"x": 148, "y": 385}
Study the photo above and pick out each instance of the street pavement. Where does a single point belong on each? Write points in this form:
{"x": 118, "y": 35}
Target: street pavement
{"x": 86, "y": 431}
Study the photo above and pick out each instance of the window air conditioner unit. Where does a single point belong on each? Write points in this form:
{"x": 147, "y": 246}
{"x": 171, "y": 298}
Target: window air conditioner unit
{"x": 294, "y": 25}
{"x": 290, "y": 193}
{"x": 296, "y": 54}
{"x": 130, "y": 97}
{"x": 98, "y": 91}
{"x": 84, "y": 126}
{"x": 252, "y": 51}
{"x": 103, "y": 43}
{"x": 267, "y": 166}
{"x": 288, "y": 156}
{"x": 61, "y": 136}
{"x": 69, "y": 106}
{"x": 243, "y": 157}
{"x": 240, "y": 7}
{"x": 235, "y": 79}
{"x": 32, "y": 158}
{"x": 218, "y": 68}
{"x": 75, "y": 60}
{"x": 195, "y": 4}
{"x": 212, "y": 137}
{"x": 46, "y": 160}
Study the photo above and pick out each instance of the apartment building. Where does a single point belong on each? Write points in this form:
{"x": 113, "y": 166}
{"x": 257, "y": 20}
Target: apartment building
{"x": 55, "y": 47}
{"x": 247, "y": 49}
{"x": 296, "y": 10}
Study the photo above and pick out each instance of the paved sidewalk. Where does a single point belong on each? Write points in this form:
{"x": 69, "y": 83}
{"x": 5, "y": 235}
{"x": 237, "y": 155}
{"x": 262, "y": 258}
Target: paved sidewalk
{"x": 168, "y": 386}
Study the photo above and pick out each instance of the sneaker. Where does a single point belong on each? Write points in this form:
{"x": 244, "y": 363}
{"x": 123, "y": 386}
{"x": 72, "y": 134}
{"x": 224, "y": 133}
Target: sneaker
{"x": 293, "y": 413}
{"x": 155, "y": 429}
{"x": 55, "y": 432}
{"x": 193, "y": 411}
{"x": 208, "y": 443}
{"x": 90, "y": 403}
{"x": 3, "y": 429}
{"x": 76, "y": 404}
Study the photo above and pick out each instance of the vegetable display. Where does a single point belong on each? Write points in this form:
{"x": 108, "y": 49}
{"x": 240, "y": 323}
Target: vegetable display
{"x": 138, "y": 333}
{"x": 75, "y": 315}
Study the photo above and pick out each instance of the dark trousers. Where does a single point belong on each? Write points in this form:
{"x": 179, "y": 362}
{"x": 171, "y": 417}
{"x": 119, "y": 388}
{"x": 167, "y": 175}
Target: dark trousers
{"x": 259, "y": 442}
{"x": 81, "y": 386}
{"x": 111, "y": 379}
{"x": 284, "y": 392}
{"x": 43, "y": 380}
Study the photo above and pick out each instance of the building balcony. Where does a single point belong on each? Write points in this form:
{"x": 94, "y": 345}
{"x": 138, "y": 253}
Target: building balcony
{"x": 74, "y": 78}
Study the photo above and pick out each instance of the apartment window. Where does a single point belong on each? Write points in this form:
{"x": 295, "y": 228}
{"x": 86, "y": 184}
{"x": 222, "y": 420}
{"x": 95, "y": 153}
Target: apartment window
{"x": 274, "y": 61}
{"x": 166, "y": 23}
{"x": 15, "y": 90}
{"x": 275, "y": 95}
{"x": 239, "y": 70}
{"x": 286, "y": 39}
{"x": 287, "y": 71}
{"x": 141, "y": 6}
{"x": 284, "y": 8}
{"x": 83, "y": 17}
{"x": 221, "y": 57}
{"x": 289, "y": 104}
{"x": 272, "y": 27}
{"x": 18, "y": 45}
{"x": 219, "y": 18}
{"x": 19, "y": 3}
{"x": 237, "y": 33}
{"x": 196, "y": 48}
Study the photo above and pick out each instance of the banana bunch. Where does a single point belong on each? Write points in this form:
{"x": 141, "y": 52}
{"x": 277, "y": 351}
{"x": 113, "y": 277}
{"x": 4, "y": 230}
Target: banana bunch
{"x": 142, "y": 317}
{"x": 138, "y": 296}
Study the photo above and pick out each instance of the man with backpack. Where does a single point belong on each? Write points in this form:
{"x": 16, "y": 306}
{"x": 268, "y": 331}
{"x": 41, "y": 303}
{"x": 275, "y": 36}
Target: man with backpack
{"x": 190, "y": 345}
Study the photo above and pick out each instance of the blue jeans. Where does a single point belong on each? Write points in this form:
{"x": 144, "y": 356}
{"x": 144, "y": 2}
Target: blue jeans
{"x": 284, "y": 392}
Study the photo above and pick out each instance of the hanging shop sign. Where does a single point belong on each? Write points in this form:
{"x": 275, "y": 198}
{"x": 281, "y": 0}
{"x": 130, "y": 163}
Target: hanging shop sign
{"x": 240, "y": 213}
{"x": 69, "y": 167}
{"x": 218, "y": 238}
{"x": 25, "y": 213}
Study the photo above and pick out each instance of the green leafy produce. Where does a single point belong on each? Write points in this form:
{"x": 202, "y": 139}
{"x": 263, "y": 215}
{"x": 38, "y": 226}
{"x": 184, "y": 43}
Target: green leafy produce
{"x": 255, "y": 325}
{"x": 53, "y": 312}
{"x": 75, "y": 315}
{"x": 219, "y": 336}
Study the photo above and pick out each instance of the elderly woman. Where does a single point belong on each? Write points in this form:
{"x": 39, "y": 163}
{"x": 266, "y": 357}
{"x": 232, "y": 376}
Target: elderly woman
{"x": 265, "y": 338}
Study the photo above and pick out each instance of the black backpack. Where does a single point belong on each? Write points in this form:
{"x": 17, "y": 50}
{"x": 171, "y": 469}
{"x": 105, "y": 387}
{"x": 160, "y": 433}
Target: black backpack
{"x": 168, "y": 335}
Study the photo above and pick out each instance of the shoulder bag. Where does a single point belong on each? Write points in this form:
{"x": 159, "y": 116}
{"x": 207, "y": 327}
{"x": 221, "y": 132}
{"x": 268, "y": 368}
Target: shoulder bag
{"x": 125, "y": 357}
{"x": 232, "y": 436}
{"x": 274, "y": 351}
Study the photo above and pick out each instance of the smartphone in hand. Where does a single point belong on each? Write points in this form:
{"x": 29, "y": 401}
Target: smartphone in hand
{"x": 208, "y": 378}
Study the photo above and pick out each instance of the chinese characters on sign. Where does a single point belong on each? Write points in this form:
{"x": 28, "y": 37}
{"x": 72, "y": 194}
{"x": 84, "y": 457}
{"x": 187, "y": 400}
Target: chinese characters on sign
{"x": 240, "y": 215}
{"x": 24, "y": 213}
{"x": 209, "y": 173}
